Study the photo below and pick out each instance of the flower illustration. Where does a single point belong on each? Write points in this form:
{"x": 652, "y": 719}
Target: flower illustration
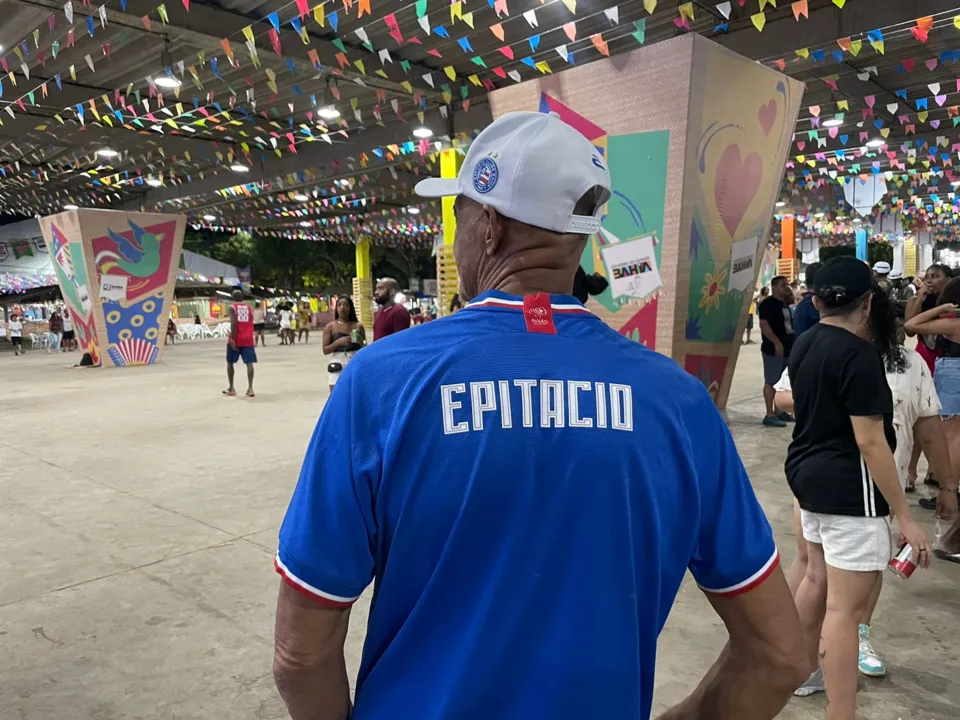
{"x": 712, "y": 290}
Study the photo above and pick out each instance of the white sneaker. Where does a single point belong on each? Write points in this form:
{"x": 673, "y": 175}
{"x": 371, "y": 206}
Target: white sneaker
{"x": 869, "y": 664}
{"x": 813, "y": 685}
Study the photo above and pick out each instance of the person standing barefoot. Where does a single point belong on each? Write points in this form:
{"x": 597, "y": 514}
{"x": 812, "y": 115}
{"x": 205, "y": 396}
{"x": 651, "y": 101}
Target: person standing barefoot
{"x": 240, "y": 343}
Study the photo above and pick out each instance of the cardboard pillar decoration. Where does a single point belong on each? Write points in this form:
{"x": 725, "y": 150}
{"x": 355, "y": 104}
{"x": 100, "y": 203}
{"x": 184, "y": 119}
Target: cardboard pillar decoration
{"x": 117, "y": 272}
{"x": 696, "y": 138}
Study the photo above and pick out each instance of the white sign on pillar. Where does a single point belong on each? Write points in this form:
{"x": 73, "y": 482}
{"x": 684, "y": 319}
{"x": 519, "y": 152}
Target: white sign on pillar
{"x": 899, "y": 256}
{"x": 809, "y": 250}
{"x": 925, "y": 241}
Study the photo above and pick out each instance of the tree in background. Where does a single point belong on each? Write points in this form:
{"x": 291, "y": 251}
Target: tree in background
{"x": 307, "y": 264}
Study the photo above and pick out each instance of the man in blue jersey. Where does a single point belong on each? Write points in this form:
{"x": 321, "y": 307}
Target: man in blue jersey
{"x": 526, "y": 556}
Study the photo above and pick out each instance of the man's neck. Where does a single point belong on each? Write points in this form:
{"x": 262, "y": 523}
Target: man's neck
{"x": 845, "y": 323}
{"x": 533, "y": 281}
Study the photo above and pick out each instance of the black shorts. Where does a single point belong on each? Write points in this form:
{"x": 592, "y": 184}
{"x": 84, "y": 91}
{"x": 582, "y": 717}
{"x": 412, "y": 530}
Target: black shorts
{"x": 259, "y": 327}
{"x": 16, "y": 341}
{"x": 68, "y": 334}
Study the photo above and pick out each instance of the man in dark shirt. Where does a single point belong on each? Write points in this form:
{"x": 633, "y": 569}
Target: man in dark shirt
{"x": 776, "y": 326}
{"x": 805, "y": 314}
{"x": 390, "y": 318}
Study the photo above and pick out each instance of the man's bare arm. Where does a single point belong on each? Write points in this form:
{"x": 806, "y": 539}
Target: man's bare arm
{"x": 762, "y": 664}
{"x": 308, "y": 663}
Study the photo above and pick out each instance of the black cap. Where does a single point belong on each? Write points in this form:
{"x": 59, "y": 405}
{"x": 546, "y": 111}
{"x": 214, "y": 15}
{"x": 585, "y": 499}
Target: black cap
{"x": 842, "y": 280}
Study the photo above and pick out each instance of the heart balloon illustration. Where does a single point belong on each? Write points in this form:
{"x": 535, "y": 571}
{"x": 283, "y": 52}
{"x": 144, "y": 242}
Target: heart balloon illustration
{"x": 767, "y": 114}
{"x": 736, "y": 182}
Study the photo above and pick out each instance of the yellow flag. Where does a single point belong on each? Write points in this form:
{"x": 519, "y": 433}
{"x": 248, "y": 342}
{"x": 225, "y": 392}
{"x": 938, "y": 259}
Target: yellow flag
{"x": 451, "y": 73}
{"x": 318, "y": 15}
{"x": 407, "y": 86}
{"x": 162, "y": 12}
{"x": 248, "y": 33}
{"x": 474, "y": 79}
{"x": 382, "y": 73}
{"x": 543, "y": 67}
{"x": 855, "y": 46}
{"x": 764, "y": 3}
{"x": 456, "y": 11}
{"x": 840, "y": 3}
{"x": 650, "y": 6}
{"x": 359, "y": 64}
{"x": 956, "y": 22}
{"x": 843, "y": 105}
{"x": 878, "y": 46}
{"x": 686, "y": 10}
{"x": 922, "y": 115}
{"x": 803, "y": 52}
{"x": 468, "y": 19}
{"x": 884, "y": 132}
{"x": 758, "y": 20}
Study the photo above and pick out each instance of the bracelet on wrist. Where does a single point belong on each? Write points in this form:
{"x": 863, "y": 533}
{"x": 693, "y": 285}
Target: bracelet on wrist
{"x": 947, "y": 489}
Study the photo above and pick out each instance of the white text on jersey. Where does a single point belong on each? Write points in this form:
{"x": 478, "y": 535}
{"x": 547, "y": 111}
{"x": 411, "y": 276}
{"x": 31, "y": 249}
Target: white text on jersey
{"x": 465, "y": 406}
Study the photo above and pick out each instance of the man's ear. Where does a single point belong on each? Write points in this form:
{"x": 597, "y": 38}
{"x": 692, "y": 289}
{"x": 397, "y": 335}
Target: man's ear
{"x": 493, "y": 234}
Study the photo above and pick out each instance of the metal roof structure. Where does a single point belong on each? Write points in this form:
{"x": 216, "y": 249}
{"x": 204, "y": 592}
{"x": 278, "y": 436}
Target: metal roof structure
{"x": 315, "y": 119}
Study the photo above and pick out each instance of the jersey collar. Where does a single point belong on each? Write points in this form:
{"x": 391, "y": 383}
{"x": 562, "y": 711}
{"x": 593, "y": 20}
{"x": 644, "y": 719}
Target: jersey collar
{"x": 496, "y": 300}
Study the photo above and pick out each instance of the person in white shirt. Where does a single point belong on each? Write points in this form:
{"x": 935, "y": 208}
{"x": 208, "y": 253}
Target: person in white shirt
{"x": 15, "y": 331}
{"x": 69, "y": 340}
{"x": 286, "y": 334}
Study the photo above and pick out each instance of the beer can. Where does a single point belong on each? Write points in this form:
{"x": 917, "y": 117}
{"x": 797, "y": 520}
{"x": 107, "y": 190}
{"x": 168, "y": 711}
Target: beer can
{"x": 355, "y": 335}
{"x": 903, "y": 563}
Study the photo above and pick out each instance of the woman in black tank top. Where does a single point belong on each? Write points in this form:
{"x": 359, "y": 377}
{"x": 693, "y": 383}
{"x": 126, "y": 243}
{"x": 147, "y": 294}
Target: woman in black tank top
{"x": 342, "y": 337}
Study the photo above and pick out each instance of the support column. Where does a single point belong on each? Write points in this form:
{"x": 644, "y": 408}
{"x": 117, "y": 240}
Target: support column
{"x": 861, "y": 236}
{"x": 119, "y": 306}
{"x": 363, "y": 286}
{"x": 788, "y": 264}
{"x": 695, "y": 139}
{"x": 448, "y": 280}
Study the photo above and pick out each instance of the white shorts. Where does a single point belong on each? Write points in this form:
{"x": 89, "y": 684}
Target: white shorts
{"x": 858, "y": 544}
{"x": 338, "y": 357}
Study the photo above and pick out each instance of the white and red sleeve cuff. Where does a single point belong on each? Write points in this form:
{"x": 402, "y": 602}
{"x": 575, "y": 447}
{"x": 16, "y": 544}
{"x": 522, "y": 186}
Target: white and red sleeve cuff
{"x": 751, "y": 582}
{"x": 309, "y": 590}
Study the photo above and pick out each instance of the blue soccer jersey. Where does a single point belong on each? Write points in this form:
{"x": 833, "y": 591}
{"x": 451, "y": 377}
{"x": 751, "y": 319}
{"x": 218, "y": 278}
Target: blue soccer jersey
{"x": 526, "y": 488}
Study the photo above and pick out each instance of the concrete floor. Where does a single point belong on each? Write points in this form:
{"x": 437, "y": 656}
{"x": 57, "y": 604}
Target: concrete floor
{"x": 139, "y": 516}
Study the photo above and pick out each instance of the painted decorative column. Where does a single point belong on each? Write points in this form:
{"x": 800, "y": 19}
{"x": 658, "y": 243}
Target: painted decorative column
{"x": 695, "y": 138}
{"x": 363, "y": 286}
{"x": 117, "y": 272}
{"x": 448, "y": 280}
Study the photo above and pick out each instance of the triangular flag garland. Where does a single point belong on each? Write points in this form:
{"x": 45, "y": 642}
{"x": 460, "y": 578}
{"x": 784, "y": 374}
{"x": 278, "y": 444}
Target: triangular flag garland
{"x": 571, "y": 41}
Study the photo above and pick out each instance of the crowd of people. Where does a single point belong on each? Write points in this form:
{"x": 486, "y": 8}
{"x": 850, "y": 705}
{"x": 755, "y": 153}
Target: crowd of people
{"x": 58, "y": 337}
{"x": 865, "y": 407}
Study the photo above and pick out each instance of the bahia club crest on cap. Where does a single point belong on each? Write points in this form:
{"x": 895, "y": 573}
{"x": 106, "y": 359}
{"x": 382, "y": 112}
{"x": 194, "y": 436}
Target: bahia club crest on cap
{"x": 530, "y": 167}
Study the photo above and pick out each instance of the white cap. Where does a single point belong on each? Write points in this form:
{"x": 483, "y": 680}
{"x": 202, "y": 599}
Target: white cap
{"x": 896, "y": 275}
{"x": 881, "y": 268}
{"x": 530, "y": 167}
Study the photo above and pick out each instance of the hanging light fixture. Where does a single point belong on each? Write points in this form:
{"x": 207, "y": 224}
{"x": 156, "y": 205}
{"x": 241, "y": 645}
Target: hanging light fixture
{"x": 422, "y": 132}
{"x": 168, "y": 79}
{"x": 328, "y": 111}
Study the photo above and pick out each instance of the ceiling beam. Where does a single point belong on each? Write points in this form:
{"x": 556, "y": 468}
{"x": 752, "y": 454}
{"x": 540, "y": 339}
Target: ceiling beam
{"x": 320, "y": 154}
{"x": 826, "y": 25}
{"x": 205, "y": 26}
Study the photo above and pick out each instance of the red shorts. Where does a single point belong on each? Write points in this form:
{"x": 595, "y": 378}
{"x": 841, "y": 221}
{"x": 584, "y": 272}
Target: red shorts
{"x": 929, "y": 356}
